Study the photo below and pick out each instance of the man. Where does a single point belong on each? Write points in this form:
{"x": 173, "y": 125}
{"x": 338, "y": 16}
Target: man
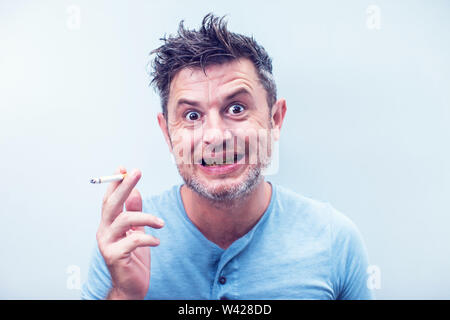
{"x": 226, "y": 233}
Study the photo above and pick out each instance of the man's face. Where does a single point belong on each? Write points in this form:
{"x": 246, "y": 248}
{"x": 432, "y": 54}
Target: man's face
{"x": 219, "y": 129}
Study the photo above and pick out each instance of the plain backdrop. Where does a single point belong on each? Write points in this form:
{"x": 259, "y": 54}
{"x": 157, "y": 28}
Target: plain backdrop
{"x": 367, "y": 127}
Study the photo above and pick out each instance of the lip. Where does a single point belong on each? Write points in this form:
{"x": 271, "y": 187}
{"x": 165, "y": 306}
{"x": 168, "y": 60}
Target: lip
{"x": 222, "y": 169}
{"x": 218, "y": 170}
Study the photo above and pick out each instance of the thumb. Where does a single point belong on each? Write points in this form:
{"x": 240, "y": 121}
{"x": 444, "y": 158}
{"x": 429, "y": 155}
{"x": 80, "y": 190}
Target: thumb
{"x": 134, "y": 201}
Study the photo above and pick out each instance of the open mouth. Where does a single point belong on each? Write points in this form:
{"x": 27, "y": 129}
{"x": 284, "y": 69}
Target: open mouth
{"x": 210, "y": 162}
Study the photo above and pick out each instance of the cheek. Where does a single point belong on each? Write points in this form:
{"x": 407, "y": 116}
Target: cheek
{"x": 187, "y": 146}
{"x": 262, "y": 133}
{"x": 255, "y": 142}
{"x": 182, "y": 145}
{"x": 261, "y": 120}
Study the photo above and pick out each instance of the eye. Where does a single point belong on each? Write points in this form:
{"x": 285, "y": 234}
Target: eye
{"x": 236, "y": 109}
{"x": 192, "y": 116}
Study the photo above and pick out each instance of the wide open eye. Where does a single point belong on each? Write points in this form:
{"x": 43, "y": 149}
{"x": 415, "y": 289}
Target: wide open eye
{"x": 236, "y": 109}
{"x": 192, "y": 116}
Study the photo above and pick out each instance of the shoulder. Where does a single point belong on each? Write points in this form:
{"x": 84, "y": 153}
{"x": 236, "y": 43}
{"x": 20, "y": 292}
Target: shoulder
{"x": 328, "y": 228}
{"x": 315, "y": 217}
{"x": 300, "y": 210}
{"x": 303, "y": 207}
{"x": 161, "y": 201}
{"x": 287, "y": 199}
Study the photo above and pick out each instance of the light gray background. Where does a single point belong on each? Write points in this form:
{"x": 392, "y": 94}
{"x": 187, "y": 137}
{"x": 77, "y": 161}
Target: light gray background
{"x": 367, "y": 127}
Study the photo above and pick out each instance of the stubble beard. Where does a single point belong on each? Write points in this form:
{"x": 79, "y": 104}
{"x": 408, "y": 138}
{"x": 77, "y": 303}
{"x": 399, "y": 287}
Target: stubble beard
{"x": 229, "y": 196}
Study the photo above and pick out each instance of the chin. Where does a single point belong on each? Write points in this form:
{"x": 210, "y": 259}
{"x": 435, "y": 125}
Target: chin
{"x": 223, "y": 189}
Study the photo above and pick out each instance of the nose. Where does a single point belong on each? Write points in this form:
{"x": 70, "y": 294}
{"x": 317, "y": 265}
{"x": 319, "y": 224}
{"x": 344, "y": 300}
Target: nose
{"x": 215, "y": 131}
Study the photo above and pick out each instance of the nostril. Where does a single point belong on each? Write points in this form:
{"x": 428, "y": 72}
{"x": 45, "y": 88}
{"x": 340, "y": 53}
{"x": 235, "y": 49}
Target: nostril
{"x": 212, "y": 135}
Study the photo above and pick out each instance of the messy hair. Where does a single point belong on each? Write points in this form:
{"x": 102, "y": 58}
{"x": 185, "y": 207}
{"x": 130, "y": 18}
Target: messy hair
{"x": 213, "y": 43}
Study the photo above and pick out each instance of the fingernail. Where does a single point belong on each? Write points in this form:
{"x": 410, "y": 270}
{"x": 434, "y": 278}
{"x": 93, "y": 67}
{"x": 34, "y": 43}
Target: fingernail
{"x": 122, "y": 169}
{"x": 135, "y": 173}
{"x": 160, "y": 221}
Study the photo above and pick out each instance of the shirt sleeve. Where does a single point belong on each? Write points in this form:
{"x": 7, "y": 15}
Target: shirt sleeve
{"x": 349, "y": 260}
{"x": 98, "y": 283}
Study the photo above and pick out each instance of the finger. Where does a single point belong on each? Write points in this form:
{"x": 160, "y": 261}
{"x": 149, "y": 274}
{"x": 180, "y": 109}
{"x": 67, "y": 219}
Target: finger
{"x": 132, "y": 220}
{"x": 113, "y": 185}
{"x": 114, "y": 204}
{"x": 135, "y": 240}
{"x": 134, "y": 203}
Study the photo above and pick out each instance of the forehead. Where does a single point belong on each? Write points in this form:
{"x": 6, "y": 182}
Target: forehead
{"x": 219, "y": 79}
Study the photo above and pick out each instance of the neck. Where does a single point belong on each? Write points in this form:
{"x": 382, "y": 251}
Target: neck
{"x": 223, "y": 223}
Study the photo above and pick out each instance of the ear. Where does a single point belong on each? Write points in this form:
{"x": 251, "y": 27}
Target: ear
{"x": 278, "y": 113}
{"x": 165, "y": 130}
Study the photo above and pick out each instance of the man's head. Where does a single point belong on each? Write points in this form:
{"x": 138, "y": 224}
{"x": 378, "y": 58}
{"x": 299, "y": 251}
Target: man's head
{"x": 220, "y": 111}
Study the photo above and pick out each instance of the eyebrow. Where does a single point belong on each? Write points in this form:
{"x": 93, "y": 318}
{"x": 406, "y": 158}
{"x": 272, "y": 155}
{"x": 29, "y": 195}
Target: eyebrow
{"x": 228, "y": 97}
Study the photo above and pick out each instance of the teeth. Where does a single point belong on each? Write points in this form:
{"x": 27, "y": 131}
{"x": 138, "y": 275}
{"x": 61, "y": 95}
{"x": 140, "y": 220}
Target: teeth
{"x": 220, "y": 162}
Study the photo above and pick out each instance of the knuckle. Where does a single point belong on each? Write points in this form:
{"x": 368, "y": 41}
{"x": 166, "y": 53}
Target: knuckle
{"x": 124, "y": 220}
{"x": 100, "y": 237}
{"x": 105, "y": 201}
{"x": 111, "y": 203}
{"x": 106, "y": 208}
{"x": 127, "y": 217}
{"x": 108, "y": 257}
{"x": 135, "y": 239}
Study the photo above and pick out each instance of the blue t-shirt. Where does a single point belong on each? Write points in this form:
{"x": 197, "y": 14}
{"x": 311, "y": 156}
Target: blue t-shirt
{"x": 300, "y": 249}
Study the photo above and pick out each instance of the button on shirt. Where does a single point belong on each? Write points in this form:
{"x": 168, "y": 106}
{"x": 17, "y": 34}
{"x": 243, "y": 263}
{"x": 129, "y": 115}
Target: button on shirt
{"x": 299, "y": 249}
{"x": 222, "y": 280}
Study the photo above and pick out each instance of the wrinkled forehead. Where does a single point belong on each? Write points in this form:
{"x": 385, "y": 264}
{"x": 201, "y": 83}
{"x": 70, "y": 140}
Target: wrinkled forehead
{"x": 215, "y": 82}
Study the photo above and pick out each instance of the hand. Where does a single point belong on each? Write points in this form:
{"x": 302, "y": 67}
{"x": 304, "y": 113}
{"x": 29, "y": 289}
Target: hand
{"x": 122, "y": 240}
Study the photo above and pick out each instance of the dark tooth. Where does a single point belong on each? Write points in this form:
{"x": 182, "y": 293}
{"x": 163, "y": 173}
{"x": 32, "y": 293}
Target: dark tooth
{"x": 236, "y": 158}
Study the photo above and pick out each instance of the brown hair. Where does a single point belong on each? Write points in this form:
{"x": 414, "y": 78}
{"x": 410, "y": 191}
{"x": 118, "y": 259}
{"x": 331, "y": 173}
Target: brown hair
{"x": 211, "y": 44}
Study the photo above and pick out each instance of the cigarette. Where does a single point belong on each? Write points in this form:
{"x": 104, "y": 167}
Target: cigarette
{"x": 117, "y": 177}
